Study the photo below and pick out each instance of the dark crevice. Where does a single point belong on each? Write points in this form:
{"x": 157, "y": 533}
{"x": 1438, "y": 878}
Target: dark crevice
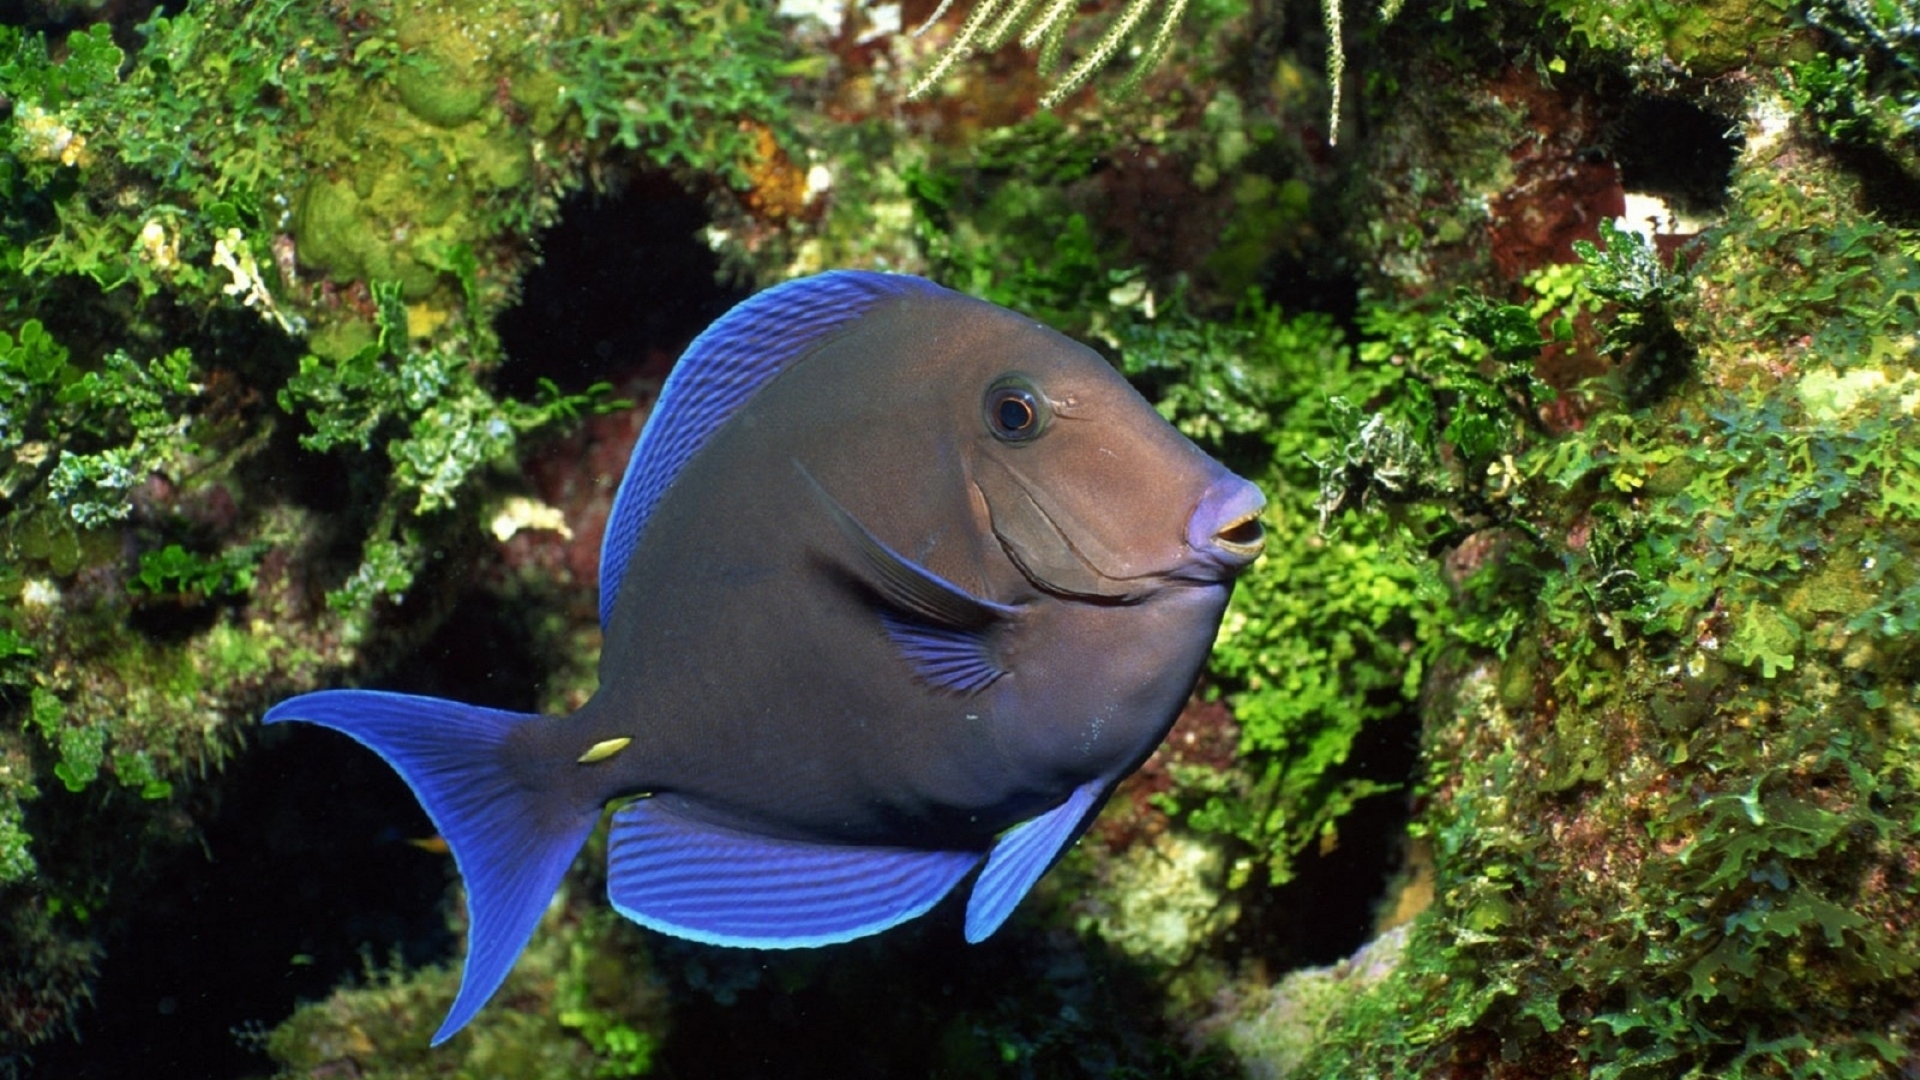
{"x": 624, "y": 283}
{"x": 1678, "y": 151}
{"x": 1332, "y": 905}
{"x": 301, "y": 869}
{"x": 1322, "y": 282}
{"x": 1345, "y": 887}
{"x": 1888, "y": 190}
{"x": 918, "y": 1001}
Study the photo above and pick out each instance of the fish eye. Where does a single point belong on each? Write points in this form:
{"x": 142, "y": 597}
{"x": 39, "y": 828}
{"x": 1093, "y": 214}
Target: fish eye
{"x": 1015, "y": 410}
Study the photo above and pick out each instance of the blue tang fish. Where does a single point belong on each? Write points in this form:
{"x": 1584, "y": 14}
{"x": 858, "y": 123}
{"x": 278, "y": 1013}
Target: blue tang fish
{"x": 898, "y": 585}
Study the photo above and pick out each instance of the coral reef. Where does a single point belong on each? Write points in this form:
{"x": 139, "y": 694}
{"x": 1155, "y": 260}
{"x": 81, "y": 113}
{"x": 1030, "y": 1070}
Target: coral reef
{"x": 1667, "y": 761}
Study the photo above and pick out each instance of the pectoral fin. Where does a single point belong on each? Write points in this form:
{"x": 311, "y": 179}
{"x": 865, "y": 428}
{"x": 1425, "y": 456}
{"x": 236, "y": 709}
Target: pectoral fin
{"x": 944, "y": 631}
{"x": 902, "y": 583}
{"x": 959, "y": 661}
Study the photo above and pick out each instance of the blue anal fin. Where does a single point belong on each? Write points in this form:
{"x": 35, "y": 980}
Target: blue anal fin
{"x": 1022, "y": 854}
{"x": 704, "y": 882}
{"x": 512, "y": 844}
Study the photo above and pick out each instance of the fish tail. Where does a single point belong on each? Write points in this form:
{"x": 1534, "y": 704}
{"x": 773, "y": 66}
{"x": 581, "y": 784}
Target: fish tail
{"x": 512, "y": 841}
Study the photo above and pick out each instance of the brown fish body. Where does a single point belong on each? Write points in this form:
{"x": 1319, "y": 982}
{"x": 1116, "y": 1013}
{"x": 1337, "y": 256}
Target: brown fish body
{"x": 748, "y": 661}
{"x": 898, "y": 586}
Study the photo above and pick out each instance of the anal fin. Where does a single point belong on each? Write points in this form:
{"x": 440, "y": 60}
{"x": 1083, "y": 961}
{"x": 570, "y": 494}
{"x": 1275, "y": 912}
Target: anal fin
{"x": 693, "y": 879}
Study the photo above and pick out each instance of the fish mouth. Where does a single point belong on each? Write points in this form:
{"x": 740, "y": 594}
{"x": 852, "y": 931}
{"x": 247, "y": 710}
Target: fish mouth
{"x": 1224, "y": 532}
{"x": 1244, "y": 536}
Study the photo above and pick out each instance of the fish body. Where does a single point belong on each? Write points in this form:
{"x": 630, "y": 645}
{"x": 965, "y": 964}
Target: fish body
{"x": 898, "y": 584}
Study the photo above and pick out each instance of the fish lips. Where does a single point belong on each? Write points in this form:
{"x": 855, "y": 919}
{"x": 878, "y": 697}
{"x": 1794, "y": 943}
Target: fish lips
{"x": 1044, "y": 540}
{"x": 1224, "y": 532}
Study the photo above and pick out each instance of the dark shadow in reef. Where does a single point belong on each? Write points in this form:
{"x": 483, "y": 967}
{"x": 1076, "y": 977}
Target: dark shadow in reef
{"x": 1887, "y": 189}
{"x": 1336, "y": 894}
{"x": 1322, "y": 282}
{"x": 1678, "y": 151}
{"x": 918, "y": 1001}
{"x": 304, "y": 872}
{"x": 1333, "y": 902}
{"x": 301, "y": 865}
{"x": 624, "y": 283}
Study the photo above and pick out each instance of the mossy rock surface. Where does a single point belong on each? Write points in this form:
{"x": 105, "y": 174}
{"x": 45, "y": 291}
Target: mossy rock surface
{"x": 438, "y": 89}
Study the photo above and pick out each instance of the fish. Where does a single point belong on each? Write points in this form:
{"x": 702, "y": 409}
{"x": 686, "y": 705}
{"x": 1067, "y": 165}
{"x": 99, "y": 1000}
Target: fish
{"x": 897, "y": 586}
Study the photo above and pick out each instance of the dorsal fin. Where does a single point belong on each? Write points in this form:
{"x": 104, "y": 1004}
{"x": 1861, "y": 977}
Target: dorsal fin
{"x": 725, "y": 365}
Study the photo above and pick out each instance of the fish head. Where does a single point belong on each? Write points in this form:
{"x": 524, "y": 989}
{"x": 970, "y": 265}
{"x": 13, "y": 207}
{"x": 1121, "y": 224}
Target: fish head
{"x": 1089, "y": 491}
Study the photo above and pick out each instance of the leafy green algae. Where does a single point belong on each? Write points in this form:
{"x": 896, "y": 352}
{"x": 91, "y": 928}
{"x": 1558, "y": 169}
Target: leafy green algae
{"x": 1323, "y": 636}
{"x": 1674, "y": 811}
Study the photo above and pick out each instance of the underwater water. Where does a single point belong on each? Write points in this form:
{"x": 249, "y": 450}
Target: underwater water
{"x": 1566, "y": 727}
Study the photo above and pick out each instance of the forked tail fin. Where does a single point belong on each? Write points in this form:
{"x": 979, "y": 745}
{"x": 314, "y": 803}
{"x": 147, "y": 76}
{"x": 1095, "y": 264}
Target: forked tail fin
{"x": 512, "y": 842}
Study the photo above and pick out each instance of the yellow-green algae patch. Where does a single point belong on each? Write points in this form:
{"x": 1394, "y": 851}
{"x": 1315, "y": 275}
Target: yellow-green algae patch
{"x": 444, "y": 71}
{"x": 409, "y": 161}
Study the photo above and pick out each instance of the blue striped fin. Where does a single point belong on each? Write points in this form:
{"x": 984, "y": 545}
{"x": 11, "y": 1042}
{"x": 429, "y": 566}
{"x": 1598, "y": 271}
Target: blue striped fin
{"x": 512, "y": 843}
{"x": 957, "y": 661}
{"x": 704, "y": 882}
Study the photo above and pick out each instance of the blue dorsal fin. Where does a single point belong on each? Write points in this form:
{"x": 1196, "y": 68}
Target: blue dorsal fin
{"x": 1022, "y": 855}
{"x": 958, "y": 661}
{"x": 704, "y": 882}
{"x": 730, "y": 360}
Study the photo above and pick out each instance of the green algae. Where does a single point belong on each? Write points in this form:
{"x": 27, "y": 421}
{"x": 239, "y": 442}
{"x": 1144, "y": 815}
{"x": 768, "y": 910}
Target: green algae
{"x": 1707, "y": 39}
{"x": 1862, "y": 90}
{"x": 1321, "y": 639}
{"x": 577, "y": 1004}
{"x": 428, "y": 134}
{"x": 1673, "y": 833}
